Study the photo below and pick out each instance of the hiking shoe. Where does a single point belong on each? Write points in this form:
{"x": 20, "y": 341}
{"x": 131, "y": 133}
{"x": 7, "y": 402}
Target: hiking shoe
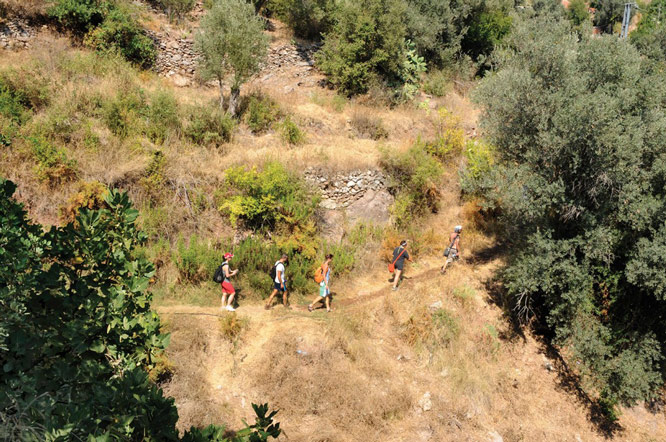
{"x": 230, "y": 308}
{"x": 267, "y": 307}
{"x": 394, "y": 289}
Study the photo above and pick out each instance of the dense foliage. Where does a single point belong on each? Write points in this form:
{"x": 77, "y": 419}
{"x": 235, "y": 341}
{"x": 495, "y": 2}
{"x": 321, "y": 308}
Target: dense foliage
{"x": 106, "y": 26}
{"x": 232, "y": 44}
{"x": 650, "y": 33}
{"x": 77, "y": 335}
{"x": 365, "y": 46}
{"x": 308, "y": 18}
{"x": 580, "y": 183}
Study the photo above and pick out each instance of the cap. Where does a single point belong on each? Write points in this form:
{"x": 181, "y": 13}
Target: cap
{"x": 228, "y": 255}
{"x": 458, "y": 228}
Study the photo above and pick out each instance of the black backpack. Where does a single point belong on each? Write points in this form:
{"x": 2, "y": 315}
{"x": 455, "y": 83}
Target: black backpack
{"x": 273, "y": 272}
{"x": 219, "y": 273}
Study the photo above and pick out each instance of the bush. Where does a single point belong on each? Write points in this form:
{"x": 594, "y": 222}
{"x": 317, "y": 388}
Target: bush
{"x": 79, "y": 16}
{"x": 267, "y": 199}
{"x": 366, "y": 125}
{"x": 415, "y": 177}
{"x": 437, "y": 83}
{"x": 176, "y": 9}
{"x": 365, "y": 46}
{"x": 485, "y": 32}
{"x": 163, "y": 117}
{"x": 120, "y": 32}
{"x": 431, "y": 330}
{"x": 122, "y": 114}
{"x": 209, "y": 125}
{"x": 53, "y": 164}
{"x": 153, "y": 179}
{"x": 290, "y": 132}
{"x": 197, "y": 260}
{"x": 260, "y": 113}
{"x": 91, "y": 195}
{"x": 308, "y": 18}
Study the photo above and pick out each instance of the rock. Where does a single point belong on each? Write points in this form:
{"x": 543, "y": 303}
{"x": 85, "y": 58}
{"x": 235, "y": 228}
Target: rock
{"x": 425, "y": 403}
{"x": 436, "y": 305}
{"x": 332, "y": 225}
{"x": 328, "y": 204}
{"x": 549, "y": 366}
{"x": 402, "y": 358}
{"x": 494, "y": 436}
{"x": 444, "y": 373}
{"x": 372, "y": 206}
{"x": 180, "y": 81}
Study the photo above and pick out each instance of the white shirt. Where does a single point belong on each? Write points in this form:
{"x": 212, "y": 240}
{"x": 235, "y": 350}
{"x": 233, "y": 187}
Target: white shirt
{"x": 279, "y": 267}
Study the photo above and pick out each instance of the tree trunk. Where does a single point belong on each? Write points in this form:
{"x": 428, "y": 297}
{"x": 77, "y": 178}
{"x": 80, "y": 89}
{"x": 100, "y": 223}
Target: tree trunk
{"x": 233, "y": 100}
{"x": 221, "y": 94}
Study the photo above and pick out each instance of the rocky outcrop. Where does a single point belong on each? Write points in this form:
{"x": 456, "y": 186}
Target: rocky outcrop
{"x": 340, "y": 190}
{"x": 16, "y": 34}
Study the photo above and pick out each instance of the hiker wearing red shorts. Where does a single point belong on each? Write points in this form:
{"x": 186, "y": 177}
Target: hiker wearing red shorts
{"x": 227, "y": 288}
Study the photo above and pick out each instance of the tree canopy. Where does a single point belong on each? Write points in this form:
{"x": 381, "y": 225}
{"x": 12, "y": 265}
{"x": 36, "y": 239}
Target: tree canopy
{"x": 580, "y": 185}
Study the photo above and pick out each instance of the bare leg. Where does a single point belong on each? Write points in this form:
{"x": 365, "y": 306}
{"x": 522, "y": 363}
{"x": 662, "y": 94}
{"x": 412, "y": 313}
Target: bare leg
{"x": 270, "y": 299}
{"x": 224, "y": 300}
{"x": 443, "y": 269}
{"x": 396, "y": 279}
{"x": 231, "y": 299}
{"x": 284, "y": 298}
{"x": 328, "y": 303}
{"x": 316, "y": 300}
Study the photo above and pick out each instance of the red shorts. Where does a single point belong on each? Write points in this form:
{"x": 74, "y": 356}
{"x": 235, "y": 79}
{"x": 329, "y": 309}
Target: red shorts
{"x": 227, "y": 288}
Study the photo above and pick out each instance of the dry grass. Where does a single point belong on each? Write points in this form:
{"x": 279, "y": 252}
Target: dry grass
{"x": 32, "y": 9}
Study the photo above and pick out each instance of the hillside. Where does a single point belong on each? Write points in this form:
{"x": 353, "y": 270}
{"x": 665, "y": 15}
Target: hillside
{"x": 441, "y": 359}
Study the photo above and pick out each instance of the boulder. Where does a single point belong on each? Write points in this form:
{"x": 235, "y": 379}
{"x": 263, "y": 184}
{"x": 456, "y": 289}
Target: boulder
{"x": 372, "y": 206}
{"x": 332, "y": 225}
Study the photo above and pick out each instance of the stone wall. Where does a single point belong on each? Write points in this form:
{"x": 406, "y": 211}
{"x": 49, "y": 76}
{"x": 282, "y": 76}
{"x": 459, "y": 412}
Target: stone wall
{"x": 340, "y": 190}
{"x": 16, "y": 34}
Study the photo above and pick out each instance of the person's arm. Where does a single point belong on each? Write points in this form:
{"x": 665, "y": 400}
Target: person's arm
{"x": 280, "y": 274}
{"x": 227, "y": 273}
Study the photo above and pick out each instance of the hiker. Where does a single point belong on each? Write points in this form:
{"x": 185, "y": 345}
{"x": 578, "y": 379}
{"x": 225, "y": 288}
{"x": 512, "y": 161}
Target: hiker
{"x": 227, "y": 288}
{"x": 323, "y": 273}
{"x": 452, "y": 252}
{"x": 279, "y": 282}
{"x": 400, "y": 254}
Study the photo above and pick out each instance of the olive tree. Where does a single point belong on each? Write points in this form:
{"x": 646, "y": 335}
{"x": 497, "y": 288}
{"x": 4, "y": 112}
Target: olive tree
{"x": 580, "y": 182}
{"x": 232, "y": 45}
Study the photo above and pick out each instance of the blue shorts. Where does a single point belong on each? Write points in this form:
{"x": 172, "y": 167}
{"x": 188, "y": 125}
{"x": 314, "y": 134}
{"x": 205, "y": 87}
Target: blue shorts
{"x": 278, "y": 286}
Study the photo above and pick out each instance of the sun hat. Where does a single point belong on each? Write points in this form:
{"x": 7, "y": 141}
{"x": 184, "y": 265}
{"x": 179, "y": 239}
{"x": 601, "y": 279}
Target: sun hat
{"x": 228, "y": 255}
{"x": 458, "y": 229}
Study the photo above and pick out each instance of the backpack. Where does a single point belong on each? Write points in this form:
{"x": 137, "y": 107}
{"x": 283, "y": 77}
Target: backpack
{"x": 218, "y": 277}
{"x": 391, "y": 267}
{"x": 319, "y": 275}
{"x": 273, "y": 272}
{"x": 447, "y": 251}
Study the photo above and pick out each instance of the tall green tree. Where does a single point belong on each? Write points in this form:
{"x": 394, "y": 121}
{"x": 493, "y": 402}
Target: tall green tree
{"x": 608, "y": 13}
{"x": 232, "y": 44}
{"x": 580, "y": 185}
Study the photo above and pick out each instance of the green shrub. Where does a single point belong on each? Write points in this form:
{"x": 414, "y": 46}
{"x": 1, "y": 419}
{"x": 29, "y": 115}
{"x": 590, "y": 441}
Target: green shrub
{"x": 260, "y": 113}
{"x": 208, "y": 125}
{"x": 437, "y": 83}
{"x": 79, "y": 16}
{"x": 53, "y": 164}
{"x": 23, "y": 90}
{"x": 176, "y": 9}
{"x": 266, "y": 198}
{"x": 308, "y": 18}
{"x": 366, "y": 125}
{"x": 153, "y": 179}
{"x": 122, "y": 114}
{"x": 120, "y": 32}
{"x": 365, "y": 46}
{"x": 485, "y": 32}
{"x": 13, "y": 104}
{"x": 415, "y": 178}
{"x": 290, "y": 132}
{"x": 197, "y": 260}
{"x": 163, "y": 117}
